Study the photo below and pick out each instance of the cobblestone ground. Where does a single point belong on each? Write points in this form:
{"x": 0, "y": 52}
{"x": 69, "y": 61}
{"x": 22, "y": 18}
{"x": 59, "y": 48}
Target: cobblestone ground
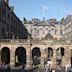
{"x": 31, "y": 70}
{"x": 22, "y": 70}
{"x": 36, "y": 70}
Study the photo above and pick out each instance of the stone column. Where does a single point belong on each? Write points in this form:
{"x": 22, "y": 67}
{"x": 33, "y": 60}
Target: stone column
{"x": 12, "y": 58}
{"x": 42, "y": 58}
{"x": 54, "y": 57}
{"x": 66, "y": 57}
{"x": 28, "y": 58}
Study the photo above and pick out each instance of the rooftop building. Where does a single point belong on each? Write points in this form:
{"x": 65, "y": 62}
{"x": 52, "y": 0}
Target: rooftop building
{"x": 40, "y": 29}
{"x": 10, "y": 24}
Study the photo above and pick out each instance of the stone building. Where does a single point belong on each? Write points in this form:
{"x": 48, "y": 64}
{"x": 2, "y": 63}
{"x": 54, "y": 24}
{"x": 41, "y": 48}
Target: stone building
{"x": 46, "y": 45}
{"x": 40, "y": 29}
{"x": 30, "y": 53}
{"x": 52, "y": 33}
{"x": 10, "y": 24}
{"x": 67, "y": 29}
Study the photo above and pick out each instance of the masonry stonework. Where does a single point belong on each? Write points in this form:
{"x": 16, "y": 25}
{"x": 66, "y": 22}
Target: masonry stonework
{"x": 42, "y": 44}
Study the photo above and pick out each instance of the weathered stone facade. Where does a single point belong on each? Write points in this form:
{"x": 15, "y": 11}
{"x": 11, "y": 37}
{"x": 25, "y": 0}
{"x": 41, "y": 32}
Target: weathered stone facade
{"x": 29, "y": 45}
{"x": 67, "y": 29}
{"x": 40, "y": 29}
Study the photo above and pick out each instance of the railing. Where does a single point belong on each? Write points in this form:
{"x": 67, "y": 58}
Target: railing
{"x": 5, "y": 40}
{"x": 31, "y": 41}
{"x": 24, "y": 40}
{"x": 13, "y": 40}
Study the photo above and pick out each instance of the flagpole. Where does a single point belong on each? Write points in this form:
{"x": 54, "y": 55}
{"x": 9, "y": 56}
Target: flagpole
{"x": 44, "y": 8}
{"x": 43, "y": 12}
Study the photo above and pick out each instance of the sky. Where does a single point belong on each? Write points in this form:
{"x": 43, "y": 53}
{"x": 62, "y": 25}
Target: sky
{"x": 34, "y": 8}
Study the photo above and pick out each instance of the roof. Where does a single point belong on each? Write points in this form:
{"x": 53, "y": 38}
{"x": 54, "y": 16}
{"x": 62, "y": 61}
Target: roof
{"x": 44, "y": 23}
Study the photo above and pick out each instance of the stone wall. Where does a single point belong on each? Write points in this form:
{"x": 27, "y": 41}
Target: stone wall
{"x": 42, "y": 45}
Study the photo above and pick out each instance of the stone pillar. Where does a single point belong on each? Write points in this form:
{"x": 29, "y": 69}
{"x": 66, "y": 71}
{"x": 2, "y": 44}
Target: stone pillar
{"x": 42, "y": 58}
{"x": 28, "y": 58}
{"x": 54, "y": 57}
{"x": 66, "y": 57}
{"x": 12, "y": 58}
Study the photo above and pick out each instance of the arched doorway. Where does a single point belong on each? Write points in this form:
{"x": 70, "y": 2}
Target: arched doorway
{"x": 36, "y": 56}
{"x": 60, "y": 54}
{"x": 20, "y": 56}
{"x": 5, "y": 55}
{"x": 49, "y": 54}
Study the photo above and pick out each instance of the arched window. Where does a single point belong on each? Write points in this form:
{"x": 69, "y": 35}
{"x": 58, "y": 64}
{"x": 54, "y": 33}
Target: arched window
{"x": 49, "y": 52}
{"x": 49, "y": 55}
{"x": 5, "y": 55}
{"x": 36, "y": 56}
{"x": 60, "y": 54}
{"x": 20, "y": 56}
{"x": 60, "y": 51}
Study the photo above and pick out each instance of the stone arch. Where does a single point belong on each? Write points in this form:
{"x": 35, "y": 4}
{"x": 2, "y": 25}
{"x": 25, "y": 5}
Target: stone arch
{"x": 49, "y": 51}
{"x": 20, "y": 56}
{"x": 61, "y": 50}
{"x": 49, "y": 55}
{"x": 60, "y": 53}
{"x": 36, "y": 54}
{"x": 5, "y": 55}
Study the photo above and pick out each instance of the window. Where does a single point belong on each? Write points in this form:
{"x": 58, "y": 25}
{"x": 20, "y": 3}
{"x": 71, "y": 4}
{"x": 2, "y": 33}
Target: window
{"x": 4, "y": 12}
{"x": 34, "y": 28}
{"x": 46, "y": 28}
{"x": 37, "y": 32}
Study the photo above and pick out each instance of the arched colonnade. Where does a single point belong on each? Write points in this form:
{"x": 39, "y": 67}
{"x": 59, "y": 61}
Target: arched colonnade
{"x": 35, "y": 55}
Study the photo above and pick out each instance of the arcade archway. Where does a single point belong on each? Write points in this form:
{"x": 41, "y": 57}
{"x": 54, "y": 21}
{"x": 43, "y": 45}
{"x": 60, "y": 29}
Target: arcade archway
{"x": 5, "y": 55}
{"x": 20, "y": 56}
{"x": 36, "y": 56}
{"x": 60, "y": 53}
{"x": 49, "y": 54}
